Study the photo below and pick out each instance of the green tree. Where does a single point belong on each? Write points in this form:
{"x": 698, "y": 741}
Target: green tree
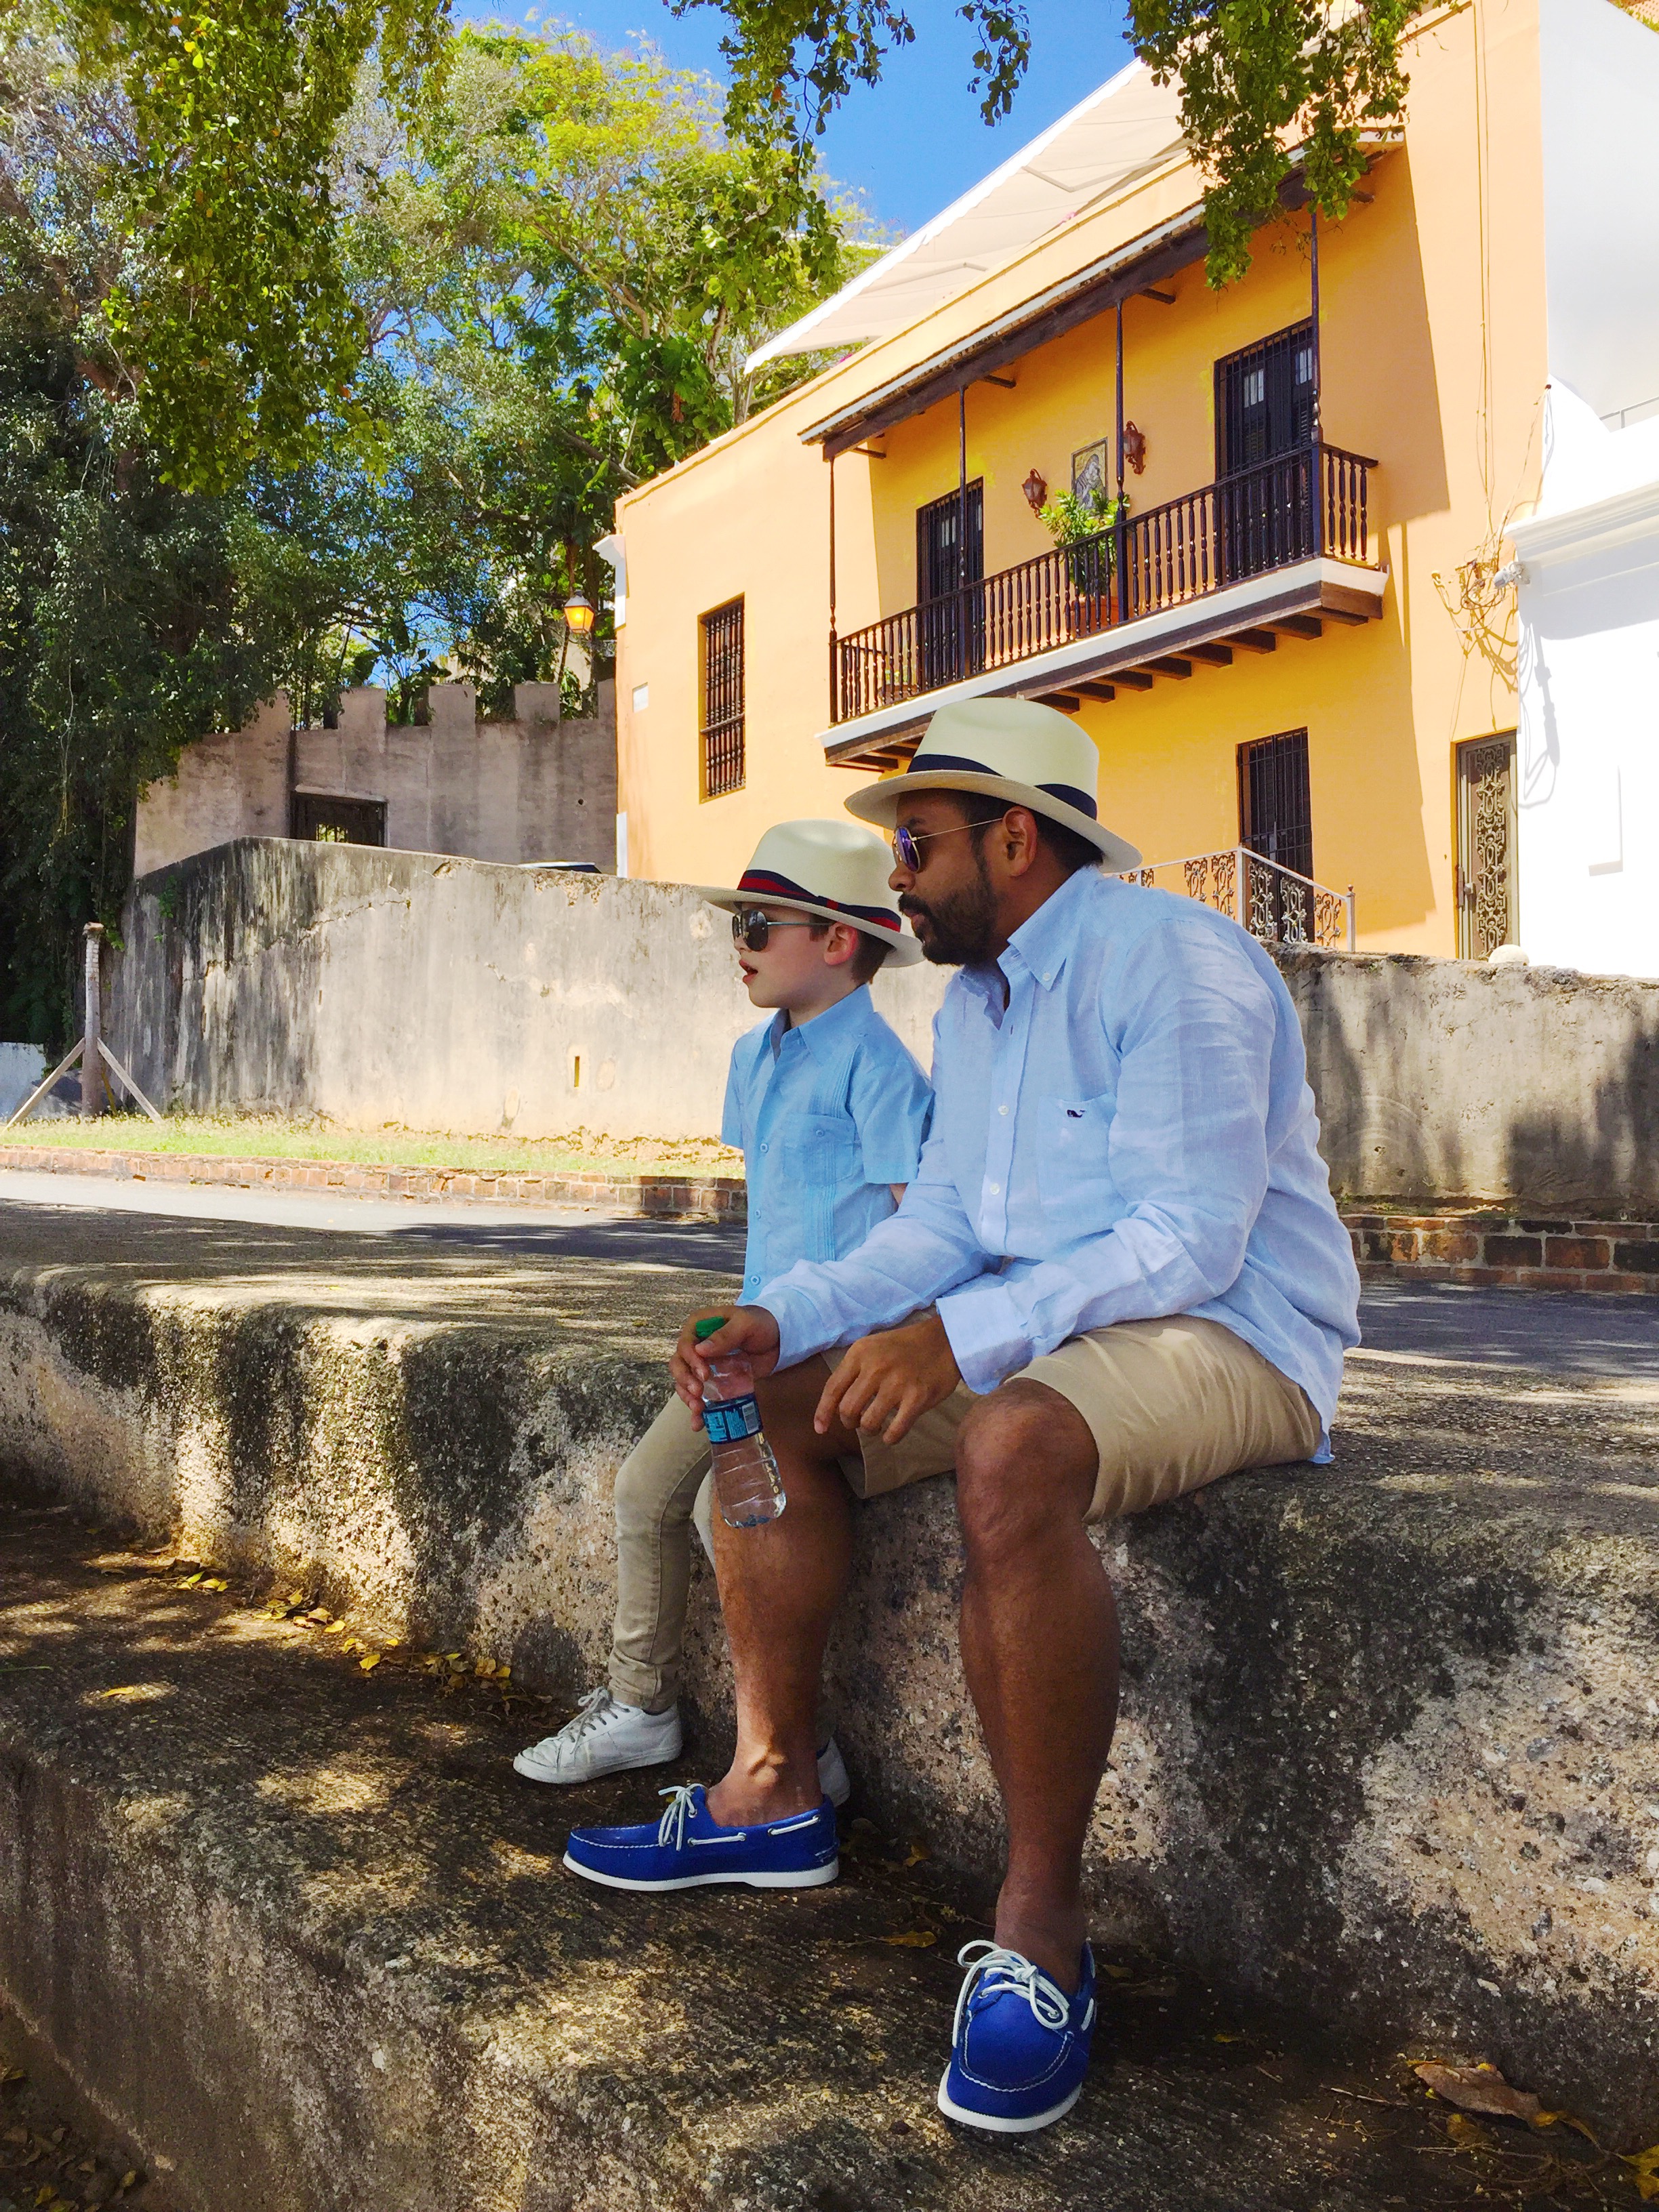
{"x": 123, "y": 635}
{"x": 1251, "y": 78}
{"x": 564, "y": 267}
{"x": 228, "y": 305}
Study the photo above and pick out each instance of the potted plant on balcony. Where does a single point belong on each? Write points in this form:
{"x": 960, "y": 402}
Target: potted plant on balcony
{"x": 1083, "y": 520}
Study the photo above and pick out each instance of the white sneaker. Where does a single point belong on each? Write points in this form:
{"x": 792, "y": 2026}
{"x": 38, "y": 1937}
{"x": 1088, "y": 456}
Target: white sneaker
{"x": 833, "y": 1778}
{"x": 603, "y": 1737}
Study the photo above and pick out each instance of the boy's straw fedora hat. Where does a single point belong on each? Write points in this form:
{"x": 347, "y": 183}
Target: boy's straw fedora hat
{"x": 830, "y": 870}
{"x": 1009, "y": 748}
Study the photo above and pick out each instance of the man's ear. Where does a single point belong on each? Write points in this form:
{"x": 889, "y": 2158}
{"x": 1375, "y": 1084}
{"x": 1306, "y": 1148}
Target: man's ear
{"x": 1021, "y": 840}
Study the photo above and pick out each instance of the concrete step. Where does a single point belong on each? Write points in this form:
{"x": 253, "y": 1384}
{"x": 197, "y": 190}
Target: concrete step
{"x": 300, "y": 1933}
{"x": 1390, "y": 1747}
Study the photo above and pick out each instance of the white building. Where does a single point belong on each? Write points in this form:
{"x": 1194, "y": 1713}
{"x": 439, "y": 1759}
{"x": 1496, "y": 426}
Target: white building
{"x": 1587, "y": 779}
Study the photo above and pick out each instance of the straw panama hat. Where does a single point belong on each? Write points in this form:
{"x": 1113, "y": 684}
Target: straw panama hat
{"x": 1009, "y": 748}
{"x": 828, "y": 869}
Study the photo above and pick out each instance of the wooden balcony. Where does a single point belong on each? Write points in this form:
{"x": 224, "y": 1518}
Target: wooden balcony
{"x": 1185, "y": 584}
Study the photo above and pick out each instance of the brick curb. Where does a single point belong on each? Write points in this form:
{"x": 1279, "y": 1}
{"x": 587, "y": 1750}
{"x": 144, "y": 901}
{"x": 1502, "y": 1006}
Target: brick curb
{"x": 1483, "y": 1246}
{"x": 1477, "y": 1246}
{"x": 721, "y": 1196}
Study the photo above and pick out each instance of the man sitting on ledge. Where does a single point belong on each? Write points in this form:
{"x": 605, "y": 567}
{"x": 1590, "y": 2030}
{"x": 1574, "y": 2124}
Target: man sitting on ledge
{"x": 1118, "y": 1275}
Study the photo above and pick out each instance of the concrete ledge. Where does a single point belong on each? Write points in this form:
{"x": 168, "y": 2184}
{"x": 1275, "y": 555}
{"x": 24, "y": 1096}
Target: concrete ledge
{"x": 1390, "y": 1756}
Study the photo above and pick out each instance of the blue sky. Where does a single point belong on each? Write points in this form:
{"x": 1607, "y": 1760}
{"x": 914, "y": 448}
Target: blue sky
{"x": 916, "y": 141}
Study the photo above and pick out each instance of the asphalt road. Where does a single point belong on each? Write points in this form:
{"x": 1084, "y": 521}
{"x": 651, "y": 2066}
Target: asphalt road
{"x": 1554, "y": 1332}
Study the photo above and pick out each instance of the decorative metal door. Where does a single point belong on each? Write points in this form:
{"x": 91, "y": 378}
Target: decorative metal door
{"x": 1485, "y": 846}
{"x": 949, "y": 564}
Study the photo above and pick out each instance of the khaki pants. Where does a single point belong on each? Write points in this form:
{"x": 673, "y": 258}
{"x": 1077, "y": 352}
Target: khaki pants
{"x": 661, "y": 1486}
{"x": 1172, "y": 1405}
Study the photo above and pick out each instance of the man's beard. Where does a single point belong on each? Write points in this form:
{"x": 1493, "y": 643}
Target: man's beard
{"x": 962, "y": 926}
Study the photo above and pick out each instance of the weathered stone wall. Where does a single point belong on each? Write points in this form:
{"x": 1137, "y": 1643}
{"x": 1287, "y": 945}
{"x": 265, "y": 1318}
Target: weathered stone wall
{"x": 531, "y": 788}
{"x": 1450, "y": 1079}
{"x": 378, "y": 986}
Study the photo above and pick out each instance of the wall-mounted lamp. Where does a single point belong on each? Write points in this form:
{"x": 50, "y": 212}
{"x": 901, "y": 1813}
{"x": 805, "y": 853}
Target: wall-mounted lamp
{"x": 1135, "y": 447}
{"x": 1036, "y": 489}
{"x": 578, "y": 615}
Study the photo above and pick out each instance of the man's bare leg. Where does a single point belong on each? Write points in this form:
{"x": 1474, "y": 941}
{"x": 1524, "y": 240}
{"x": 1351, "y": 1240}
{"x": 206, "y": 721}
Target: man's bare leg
{"x": 779, "y": 1587}
{"x": 1039, "y": 1646}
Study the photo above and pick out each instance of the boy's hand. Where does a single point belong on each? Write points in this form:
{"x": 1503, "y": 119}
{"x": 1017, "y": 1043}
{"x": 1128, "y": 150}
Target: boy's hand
{"x": 749, "y": 1329}
{"x": 887, "y": 1383}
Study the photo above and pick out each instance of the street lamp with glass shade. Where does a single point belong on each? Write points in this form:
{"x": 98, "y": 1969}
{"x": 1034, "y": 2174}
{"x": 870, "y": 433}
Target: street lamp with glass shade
{"x": 578, "y": 615}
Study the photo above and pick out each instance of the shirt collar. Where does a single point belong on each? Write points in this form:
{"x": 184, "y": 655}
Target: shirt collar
{"x": 826, "y": 1033}
{"x": 1042, "y": 943}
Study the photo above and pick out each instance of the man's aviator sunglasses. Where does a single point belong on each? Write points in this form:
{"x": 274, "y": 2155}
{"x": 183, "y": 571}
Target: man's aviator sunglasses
{"x": 907, "y": 846}
{"x": 750, "y": 928}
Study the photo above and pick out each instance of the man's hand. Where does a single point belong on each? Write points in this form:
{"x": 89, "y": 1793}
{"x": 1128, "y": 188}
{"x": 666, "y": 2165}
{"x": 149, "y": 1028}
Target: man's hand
{"x": 749, "y": 1329}
{"x": 887, "y": 1383}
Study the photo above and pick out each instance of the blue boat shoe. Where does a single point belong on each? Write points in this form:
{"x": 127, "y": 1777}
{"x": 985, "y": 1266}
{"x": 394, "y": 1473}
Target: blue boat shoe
{"x": 688, "y": 1849}
{"x": 1020, "y": 2047}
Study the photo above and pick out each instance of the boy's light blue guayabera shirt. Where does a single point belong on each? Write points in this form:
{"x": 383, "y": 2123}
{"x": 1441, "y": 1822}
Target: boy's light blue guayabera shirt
{"x": 1133, "y": 1135}
{"x": 828, "y": 1115}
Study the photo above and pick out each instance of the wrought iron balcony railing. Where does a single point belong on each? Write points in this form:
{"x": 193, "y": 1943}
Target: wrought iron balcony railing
{"x": 1273, "y": 902}
{"x": 1314, "y": 500}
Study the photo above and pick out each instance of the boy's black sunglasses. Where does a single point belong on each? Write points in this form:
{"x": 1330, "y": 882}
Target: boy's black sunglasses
{"x": 750, "y": 928}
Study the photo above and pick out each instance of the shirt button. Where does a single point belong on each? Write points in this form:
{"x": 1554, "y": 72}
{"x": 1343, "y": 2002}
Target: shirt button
{"x": 765, "y": 1148}
{"x": 993, "y": 1187}
{"x": 1002, "y": 1109}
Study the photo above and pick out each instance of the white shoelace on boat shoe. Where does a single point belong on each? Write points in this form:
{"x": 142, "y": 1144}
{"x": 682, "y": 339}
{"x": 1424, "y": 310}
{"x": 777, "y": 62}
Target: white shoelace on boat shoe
{"x": 1049, "y": 2005}
{"x": 671, "y": 1829}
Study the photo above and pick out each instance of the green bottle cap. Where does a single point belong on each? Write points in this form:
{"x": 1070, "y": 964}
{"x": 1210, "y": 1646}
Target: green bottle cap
{"x": 708, "y": 1328}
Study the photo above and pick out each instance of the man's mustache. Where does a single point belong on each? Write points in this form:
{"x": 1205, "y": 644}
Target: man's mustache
{"x": 908, "y": 905}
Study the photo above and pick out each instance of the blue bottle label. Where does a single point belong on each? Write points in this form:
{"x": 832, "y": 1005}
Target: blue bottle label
{"x": 731, "y": 1423}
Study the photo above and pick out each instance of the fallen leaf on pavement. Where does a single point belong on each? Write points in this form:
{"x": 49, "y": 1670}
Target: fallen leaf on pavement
{"x": 373, "y": 1660}
{"x": 1644, "y": 2172}
{"x": 914, "y": 1939}
{"x": 1483, "y": 2089}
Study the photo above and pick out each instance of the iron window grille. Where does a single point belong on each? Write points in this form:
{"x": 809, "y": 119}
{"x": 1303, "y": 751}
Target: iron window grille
{"x": 722, "y": 701}
{"x": 1275, "y": 818}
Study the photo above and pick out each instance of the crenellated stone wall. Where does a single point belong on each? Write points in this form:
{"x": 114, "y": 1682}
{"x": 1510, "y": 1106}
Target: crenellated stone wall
{"x": 535, "y": 788}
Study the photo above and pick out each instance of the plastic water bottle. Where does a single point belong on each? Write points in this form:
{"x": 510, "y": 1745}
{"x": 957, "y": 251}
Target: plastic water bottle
{"x": 747, "y": 1485}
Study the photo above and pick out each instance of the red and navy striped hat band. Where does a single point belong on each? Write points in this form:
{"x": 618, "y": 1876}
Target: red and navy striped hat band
{"x": 762, "y": 883}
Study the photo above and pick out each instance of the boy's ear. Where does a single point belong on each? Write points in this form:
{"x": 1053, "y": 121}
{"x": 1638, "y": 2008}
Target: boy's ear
{"x": 840, "y": 944}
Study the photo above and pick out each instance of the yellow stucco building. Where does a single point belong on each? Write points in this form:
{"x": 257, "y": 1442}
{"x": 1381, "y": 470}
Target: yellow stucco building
{"x": 1258, "y": 644}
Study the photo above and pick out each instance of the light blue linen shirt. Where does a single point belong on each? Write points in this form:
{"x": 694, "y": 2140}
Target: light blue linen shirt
{"x": 828, "y": 1115}
{"x": 1133, "y": 1135}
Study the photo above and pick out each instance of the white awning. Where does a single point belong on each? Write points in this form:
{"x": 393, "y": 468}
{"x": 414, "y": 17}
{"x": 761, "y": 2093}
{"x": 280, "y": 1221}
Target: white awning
{"x": 1125, "y": 127}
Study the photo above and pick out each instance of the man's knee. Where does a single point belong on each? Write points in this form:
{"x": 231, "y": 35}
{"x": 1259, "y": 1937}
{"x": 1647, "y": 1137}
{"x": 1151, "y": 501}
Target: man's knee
{"x": 1025, "y": 1456}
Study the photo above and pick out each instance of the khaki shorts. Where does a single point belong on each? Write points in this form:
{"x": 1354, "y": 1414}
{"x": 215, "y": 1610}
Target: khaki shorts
{"x": 1171, "y": 1404}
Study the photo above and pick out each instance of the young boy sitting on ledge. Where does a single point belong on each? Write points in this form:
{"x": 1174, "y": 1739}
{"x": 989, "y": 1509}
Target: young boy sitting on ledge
{"x": 831, "y": 1112}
